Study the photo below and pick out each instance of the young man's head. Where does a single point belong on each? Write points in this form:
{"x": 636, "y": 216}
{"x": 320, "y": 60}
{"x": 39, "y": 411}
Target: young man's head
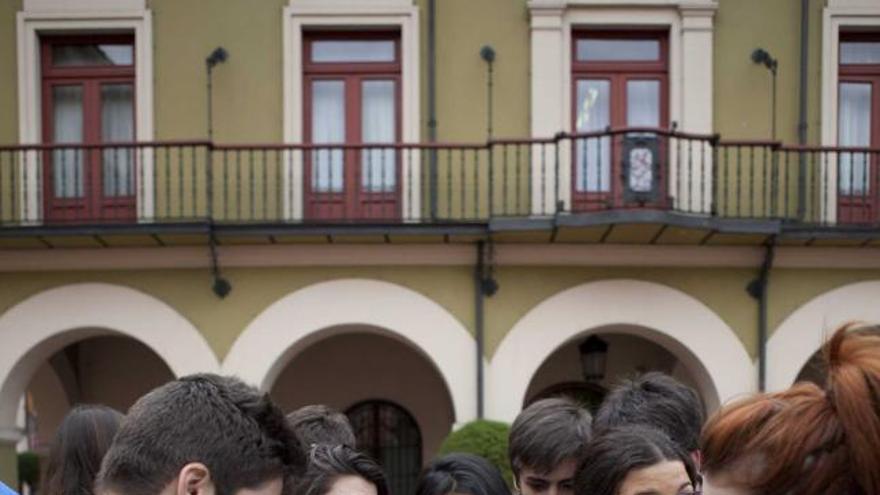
{"x": 202, "y": 435}
{"x": 321, "y": 425}
{"x": 659, "y": 401}
{"x": 547, "y": 441}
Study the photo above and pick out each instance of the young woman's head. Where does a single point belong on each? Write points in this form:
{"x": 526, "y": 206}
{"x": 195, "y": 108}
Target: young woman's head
{"x": 635, "y": 460}
{"x": 75, "y": 457}
{"x": 807, "y": 440}
{"x": 461, "y": 474}
{"x": 340, "y": 470}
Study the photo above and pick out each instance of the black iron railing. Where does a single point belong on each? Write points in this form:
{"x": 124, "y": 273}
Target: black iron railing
{"x": 622, "y": 169}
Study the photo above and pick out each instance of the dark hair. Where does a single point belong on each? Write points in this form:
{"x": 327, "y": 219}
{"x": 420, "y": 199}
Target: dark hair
{"x": 547, "y": 433}
{"x": 319, "y": 424}
{"x": 807, "y": 440}
{"x": 231, "y": 428}
{"x": 467, "y": 474}
{"x": 616, "y": 452}
{"x": 75, "y": 457}
{"x": 327, "y": 463}
{"x": 656, "y": 400}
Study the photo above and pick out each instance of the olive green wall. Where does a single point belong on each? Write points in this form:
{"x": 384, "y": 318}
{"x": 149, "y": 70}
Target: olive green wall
{"x": 9, "y": 465}
{"x": 742, "y": 88}
{"x": 8, "y": 73}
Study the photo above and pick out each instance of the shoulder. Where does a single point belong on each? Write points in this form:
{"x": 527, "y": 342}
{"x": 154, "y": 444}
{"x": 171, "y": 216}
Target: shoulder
{"x": 5, "y": 490}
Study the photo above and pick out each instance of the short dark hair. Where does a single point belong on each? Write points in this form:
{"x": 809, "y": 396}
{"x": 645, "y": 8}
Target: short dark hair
{"x": 231, "y": 428}
{"x": 320, "y": 424}
{"x": 611, "y": 455}
{"x": 80, "y": 443}
{"x": 657, "y": 400}
{"x": 461, "y": 473}
{"x": 547, "y": 433}
{"x": 327, "y": 463}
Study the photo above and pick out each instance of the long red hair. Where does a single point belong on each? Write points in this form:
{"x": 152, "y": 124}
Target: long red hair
{"x": 808, "y": 439}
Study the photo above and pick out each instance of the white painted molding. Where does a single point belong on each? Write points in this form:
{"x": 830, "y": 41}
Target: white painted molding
{"x": 41, "y": 260}
{"x": 83, "y": 6}
{"x": 34, "y": 329}
{"x": 304, "y": 14}
{"x": 29, "y": 27}
{"x": 291, "y": 324}
{"x": 705, "y": 345}
{"x": 804, "y": 331}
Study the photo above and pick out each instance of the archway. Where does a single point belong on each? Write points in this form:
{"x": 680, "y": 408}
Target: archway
{"x": 699, "y": 339}
{"x": 804, "y": 331}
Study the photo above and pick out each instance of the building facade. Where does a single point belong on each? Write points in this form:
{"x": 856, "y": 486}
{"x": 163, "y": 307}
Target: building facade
{"x": 424, "y": 212}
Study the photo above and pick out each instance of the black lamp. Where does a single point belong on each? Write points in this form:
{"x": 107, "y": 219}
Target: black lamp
{"x": 594, "y": 355}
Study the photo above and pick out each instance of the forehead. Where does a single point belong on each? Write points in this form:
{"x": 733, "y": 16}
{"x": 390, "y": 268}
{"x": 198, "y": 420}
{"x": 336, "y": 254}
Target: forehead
{"x": 564, "y": 471}
{"x": 352, "y": 485}
{"x": 663, "y": 477}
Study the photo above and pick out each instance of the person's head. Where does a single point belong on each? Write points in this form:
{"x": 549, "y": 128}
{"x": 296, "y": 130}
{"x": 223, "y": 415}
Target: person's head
{"x": 656, "y": 400}
{"x": 547, "y": 440}
{"x": 461, "y": 474}
{"x": 807, "y": 440}
{"x": 340, "y": 470}
{"x": 201, "y": 435}
{"x": 635, "y": 459}
{"x": 80, "y": 443}
{"x": 319, "y": 424}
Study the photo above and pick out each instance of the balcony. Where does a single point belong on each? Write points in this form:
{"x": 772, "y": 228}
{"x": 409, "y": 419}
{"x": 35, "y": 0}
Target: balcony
{"x": 571, "y": 181}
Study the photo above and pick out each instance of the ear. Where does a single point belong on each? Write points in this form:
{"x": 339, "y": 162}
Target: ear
{"x": 697, "y": 456}
{"x": 195, "y": 479}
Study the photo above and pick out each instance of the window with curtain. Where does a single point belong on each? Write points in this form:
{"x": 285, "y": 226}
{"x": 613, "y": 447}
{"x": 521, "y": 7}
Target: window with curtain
{"x": 854, "y": 121}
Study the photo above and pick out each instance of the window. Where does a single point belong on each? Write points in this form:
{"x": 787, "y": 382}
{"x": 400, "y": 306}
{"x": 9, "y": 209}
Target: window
{"x": 88, "y": 98}
{"x": 352, "y": 96}
{"x": 858, "y": 125}
{"x": 619, "y": 80}
{"x": 388, "y": 433}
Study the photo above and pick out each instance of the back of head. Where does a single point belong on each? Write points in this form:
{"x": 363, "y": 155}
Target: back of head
{"x": 611, "y": 455}
{"x": 79, "y": 446}
{"x": 547, "y": 433}
{"x": 464, "y": 474}
{"x": 328, "y": 463}
{"x": 807, "y": 440}
{"x": 656, "y": 400}
{"x": 231, "y": 428}
{"x": 319, "y": 424}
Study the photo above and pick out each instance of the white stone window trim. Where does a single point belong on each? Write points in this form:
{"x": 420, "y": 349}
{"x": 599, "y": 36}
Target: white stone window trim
{"x": 32, "y": 24}
{"x": 837, "y": 16}
{"x": 553, "y": 23}
{"x": 351, "y": 15}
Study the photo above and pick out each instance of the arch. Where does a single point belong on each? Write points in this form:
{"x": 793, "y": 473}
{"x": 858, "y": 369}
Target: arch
{"x": 804, "y": 331}
{"x": 44, "y": 323}
{"x": 299, "y": 319}
{"x": 695, "y": 334}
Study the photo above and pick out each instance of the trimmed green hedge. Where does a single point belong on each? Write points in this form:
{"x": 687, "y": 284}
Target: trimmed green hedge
{"x": 29, "y": 469}
{"x": 484, "y": 438}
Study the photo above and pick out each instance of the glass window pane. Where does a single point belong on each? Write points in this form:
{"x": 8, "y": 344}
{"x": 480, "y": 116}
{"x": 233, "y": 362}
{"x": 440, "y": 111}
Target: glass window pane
{"x": 598, "y": 50}
{"x": 353, "y": 51}
{"x": 860, "y": 52}
{"x": 85, "y": 55}
{"x": 378, "y": 125}
{"x": 67, "y": 126}
{"x": 328, "y": 127}
{"x": 593, "y": 172}
{"x": 854, "y": 129}
{"x": 117, "y": 125}
{"x": 643, "y": 103}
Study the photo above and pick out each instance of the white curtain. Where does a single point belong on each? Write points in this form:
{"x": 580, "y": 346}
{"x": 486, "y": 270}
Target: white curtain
{"x": 328, "y": 127}
{"x": 117, "y": 125}
{"x": 67, "y": 164}
{"x": 593, "y": 171}
{"x": 378, "y": 168}
{"x": 854, "y": 130}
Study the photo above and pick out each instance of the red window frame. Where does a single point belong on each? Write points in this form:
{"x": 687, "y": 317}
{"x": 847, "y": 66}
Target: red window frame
{"x": 353, "y": 202}
{"x": 865, "y": 207}
{"x": 618, "y": 73}
{"x": 93, "y": 205}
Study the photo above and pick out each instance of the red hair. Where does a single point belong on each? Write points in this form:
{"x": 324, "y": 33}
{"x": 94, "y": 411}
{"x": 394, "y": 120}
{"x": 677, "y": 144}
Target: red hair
{"x": 808, "y": 439}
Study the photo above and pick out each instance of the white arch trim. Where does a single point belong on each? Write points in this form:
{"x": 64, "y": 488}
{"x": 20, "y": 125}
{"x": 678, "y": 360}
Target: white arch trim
{"x": 290, "y": 324}
{"x": 695, "y": 334}
{"x": 34, "y": 329}
{"x": 804, "y": 331}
